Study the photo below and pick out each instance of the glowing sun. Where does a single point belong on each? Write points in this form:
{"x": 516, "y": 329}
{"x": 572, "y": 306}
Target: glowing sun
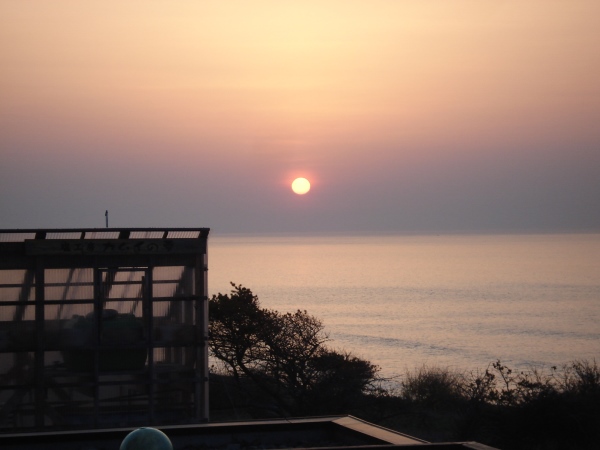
{"x": 300, "y": 186}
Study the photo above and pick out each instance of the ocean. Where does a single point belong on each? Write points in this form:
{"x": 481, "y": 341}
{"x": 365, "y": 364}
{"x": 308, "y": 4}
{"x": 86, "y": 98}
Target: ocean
{"x": 455, "y": 301}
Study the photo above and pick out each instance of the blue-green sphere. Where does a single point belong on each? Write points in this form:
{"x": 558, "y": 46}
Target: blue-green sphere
{"x": 146, "y": 439}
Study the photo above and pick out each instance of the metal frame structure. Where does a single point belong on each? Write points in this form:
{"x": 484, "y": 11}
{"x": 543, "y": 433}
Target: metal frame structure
{"x": 103, "y": 327}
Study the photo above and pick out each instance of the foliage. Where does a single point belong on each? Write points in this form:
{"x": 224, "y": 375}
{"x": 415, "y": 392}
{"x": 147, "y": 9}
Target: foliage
{"x": 528, "y": 409}
{"x": 431, "y": 386}
{"x": 284, "y": 355}
{"x": 279, "y": 364}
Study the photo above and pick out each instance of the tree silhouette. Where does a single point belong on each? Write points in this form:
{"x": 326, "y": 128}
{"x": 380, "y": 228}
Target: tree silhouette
{"x": 284, "y": 355}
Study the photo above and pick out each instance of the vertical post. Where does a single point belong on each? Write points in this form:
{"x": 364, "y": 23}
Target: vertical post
{"x": 148, "y": 312}
{"x": 201, "y": 293}
{"x": 40, "y": 392}
{"x": 96, "y": 341}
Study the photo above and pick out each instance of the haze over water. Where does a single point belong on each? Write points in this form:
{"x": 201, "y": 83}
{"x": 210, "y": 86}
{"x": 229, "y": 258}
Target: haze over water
{"x": 461, "y": 301}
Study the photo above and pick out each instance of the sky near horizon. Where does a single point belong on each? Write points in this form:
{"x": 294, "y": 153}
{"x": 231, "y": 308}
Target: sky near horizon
{"x": 406, "y": 116}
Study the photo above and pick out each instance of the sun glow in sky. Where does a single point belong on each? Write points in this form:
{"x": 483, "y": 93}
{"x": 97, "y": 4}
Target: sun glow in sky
{"x": 446, "y": 115}
{"x": 300, "y": 186}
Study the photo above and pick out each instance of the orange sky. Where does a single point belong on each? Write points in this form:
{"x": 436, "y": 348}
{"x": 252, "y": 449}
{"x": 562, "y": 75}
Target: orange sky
{"x": 454, "y": 104}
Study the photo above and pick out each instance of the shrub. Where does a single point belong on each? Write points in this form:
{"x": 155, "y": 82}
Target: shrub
{"x": 432, "y": 386}
{"x": 284, "y": 355}
{"x": 582, "y": 378}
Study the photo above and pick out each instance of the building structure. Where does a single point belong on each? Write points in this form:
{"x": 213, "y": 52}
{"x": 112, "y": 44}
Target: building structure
{"x": 332, "y": 433}
{"x": 103, "y": 327}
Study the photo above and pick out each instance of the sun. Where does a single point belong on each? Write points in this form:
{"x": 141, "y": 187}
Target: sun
{"x": 301, "y": 186}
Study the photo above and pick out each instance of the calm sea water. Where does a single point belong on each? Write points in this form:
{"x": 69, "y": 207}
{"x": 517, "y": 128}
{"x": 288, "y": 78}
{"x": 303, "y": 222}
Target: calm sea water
{"x": 451, "y": 301}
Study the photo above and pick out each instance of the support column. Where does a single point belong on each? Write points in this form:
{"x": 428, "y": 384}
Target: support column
{"x": 40, "y": 391}
{"x": 201, "y": 292}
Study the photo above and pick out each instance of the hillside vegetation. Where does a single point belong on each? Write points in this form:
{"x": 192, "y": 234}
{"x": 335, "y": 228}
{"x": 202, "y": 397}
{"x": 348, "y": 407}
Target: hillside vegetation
{"x": 268, "y": 364}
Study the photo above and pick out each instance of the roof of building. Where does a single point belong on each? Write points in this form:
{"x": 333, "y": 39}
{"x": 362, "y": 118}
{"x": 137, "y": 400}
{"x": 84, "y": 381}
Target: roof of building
{"x": 331, "y": 433}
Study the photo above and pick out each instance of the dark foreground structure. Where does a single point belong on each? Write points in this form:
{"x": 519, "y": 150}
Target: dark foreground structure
{"x": 106, "y": 330}
{"x": 102, "y": 328}
{"x": 340, "y": 432}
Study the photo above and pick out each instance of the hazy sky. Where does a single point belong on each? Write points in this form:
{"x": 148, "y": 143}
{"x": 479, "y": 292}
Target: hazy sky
{"x": 405, "y": 115}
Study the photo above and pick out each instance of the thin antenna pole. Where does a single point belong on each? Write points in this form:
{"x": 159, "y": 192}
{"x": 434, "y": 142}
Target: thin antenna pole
{"x": 106, "y": 215}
